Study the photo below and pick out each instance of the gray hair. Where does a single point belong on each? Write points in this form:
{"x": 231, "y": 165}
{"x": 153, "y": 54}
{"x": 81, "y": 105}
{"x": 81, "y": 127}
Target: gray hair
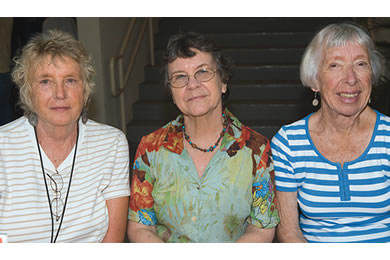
{"x": 337, "y": 35}
{"x": 53, "y": 43}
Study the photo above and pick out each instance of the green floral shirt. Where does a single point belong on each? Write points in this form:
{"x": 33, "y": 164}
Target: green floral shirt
{"x": 236, "y": 188}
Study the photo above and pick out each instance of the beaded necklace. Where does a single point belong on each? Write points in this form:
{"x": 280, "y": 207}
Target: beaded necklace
{"x": 211, "y": 148}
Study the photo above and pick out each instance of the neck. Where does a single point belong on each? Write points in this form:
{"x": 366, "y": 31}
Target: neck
{"x": 205, "y": 126}
{"x": 345, "y": 124}
{"x": 56, "y": 135}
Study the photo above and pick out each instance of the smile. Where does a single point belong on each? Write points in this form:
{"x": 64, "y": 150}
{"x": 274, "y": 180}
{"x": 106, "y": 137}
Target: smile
{"x": 347, "y": 95}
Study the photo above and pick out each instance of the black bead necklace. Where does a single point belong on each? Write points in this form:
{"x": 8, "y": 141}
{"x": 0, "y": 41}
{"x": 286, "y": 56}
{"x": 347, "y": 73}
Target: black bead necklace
{"x": 211, "y": 148}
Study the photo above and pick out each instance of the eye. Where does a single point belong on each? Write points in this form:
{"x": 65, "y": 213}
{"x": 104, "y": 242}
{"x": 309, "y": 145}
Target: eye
{"x": 44, "y": 82}
{"x": 178, "y": 77}
{"x": 363, "y": 64}
{"x": 202, "y": 71}
{"x": 71, "y": 81}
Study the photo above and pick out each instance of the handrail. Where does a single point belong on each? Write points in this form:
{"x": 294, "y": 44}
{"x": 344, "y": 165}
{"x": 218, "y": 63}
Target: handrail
{"x": 119, "y": 60}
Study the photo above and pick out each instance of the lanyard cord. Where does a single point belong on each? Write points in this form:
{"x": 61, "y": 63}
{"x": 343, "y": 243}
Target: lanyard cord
{"x": 47, "y": 189}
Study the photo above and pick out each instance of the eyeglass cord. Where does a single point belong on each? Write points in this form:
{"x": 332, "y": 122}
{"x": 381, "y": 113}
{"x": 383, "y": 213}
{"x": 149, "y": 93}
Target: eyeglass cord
{"x": 47, "y": 189}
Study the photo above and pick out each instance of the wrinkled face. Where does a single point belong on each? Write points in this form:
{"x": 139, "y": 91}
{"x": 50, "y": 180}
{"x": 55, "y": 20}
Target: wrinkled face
{"x": 344, "y": 79}
{"x": 57, "y": 91}
{"x": 196, "y": 98}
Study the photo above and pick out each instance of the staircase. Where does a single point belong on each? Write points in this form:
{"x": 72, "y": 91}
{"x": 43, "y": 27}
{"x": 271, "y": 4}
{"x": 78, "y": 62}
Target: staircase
{"x": 265, "y": 92}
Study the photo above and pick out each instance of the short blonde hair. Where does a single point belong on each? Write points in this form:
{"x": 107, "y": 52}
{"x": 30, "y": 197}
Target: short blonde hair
{"x": 336, "y": 35}
{"x": 53, "y": 43}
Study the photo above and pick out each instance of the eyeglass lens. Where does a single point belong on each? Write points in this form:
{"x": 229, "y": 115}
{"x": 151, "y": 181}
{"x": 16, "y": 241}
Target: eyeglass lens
{"x": 201, "y": 75}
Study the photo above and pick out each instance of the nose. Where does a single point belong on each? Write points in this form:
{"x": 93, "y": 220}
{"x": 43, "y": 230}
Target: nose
{"x": 60, "y": 91}
{"x": 350, "y": 76}
{"x": 192, "y": 82}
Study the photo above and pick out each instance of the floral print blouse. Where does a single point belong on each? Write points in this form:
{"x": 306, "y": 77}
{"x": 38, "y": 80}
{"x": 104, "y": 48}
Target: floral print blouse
{"x": 236, "y": 188}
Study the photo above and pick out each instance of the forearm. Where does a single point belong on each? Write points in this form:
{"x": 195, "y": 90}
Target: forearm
{"x": 288, "y": 235}
{"x": 139, "y": 233}
{"x": 117, "y": 213}
{"x": 257, "y": 235}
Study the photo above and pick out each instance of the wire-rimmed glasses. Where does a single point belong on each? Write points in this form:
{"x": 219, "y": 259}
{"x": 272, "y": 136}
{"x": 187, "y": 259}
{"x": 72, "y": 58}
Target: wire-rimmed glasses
{"x": 56, "y": 183}
{"x": 180, "y": 80}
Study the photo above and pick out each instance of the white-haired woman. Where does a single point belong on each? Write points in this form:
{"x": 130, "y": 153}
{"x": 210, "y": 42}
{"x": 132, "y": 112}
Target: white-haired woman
{"x": 63, "y": 178}
{"x": 333, "y": 166}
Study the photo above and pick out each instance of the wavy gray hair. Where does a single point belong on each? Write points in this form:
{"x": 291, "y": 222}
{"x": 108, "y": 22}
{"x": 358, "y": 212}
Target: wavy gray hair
{"x": 54, "y": 43}
{"x": 336, "y": 35}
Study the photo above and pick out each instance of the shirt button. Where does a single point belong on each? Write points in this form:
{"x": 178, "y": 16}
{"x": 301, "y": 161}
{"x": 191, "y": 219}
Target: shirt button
{"x": 193, "y": 218}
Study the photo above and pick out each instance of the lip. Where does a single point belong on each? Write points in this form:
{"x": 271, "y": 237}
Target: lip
{"x": 60, "y": 108}
{"x": 196, "y": 98}
{"x": 349, "y": 97}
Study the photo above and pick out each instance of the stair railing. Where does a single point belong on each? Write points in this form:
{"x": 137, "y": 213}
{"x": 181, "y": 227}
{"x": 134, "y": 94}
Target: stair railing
{"x": 117, "y": 63}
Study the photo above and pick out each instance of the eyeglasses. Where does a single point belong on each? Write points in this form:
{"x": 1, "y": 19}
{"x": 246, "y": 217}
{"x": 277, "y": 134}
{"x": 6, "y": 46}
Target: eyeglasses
{"x": 56, "y": 183}
{"x": 181, "y": 80}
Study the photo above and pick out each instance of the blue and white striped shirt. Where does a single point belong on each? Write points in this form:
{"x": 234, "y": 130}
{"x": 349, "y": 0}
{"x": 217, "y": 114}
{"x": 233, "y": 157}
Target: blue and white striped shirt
{"x": 337, "y": 204}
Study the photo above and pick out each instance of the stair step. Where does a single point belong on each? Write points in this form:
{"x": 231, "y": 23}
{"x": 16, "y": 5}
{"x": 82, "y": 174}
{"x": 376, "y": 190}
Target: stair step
{"x": 250, "y": 40}
{"x": 258, "y": 56}
{"x": 239, "y": 90}
{"x": 245, "y": 72}
{"x": 245, "y": 110}
{"x": 243, "y": 25}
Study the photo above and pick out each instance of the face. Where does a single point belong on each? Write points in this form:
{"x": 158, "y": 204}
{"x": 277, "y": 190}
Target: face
{"x": 197, "y": 98}
{"x": 57, "y": 91}
{"x": 344, "y": 80}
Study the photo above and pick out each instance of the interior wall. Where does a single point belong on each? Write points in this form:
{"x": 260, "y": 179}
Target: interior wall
{"x": 103, "y": 38}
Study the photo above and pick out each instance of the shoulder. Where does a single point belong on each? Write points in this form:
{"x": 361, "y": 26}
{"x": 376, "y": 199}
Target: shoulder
{"x": 16, "y": 135}
{"x": 160, "y": 135}
{"x": 15, "y": 129}
{"x": 383, "y": 120}
{"x": 12, "y": 126}
{"x": 95, "y": 131}
{"x": 298, "y": 127}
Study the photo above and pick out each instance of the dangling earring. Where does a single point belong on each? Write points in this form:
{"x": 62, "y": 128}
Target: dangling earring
{"x": 315, "y": 100}
{"x": 84, "y": 115}
{"x": 32, "y": 118}
{"x": 369, "y": 100}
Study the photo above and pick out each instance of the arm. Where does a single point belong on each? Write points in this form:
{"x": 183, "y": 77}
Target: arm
{"x": 142, "y": 218}
{"x": 257, "y": 235}
{"x": 117, "y": 217}
{"x": 288, "y": 229}
{"x": 264, "y": 216}
{"x": 140, "y": 233}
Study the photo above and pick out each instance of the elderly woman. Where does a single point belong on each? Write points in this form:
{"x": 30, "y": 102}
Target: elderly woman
{"x": 333, "y": 166}
{"x": 63, "y": 178}
{"x": 203, "y": 177}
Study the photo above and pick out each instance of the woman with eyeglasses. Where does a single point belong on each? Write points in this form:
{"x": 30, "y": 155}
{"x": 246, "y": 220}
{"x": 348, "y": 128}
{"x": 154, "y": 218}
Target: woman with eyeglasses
{"x": 63, "y": 178}
{"x": 203, "y": 177}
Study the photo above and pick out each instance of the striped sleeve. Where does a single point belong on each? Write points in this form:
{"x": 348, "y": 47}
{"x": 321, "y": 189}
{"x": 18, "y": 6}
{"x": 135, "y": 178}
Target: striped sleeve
{"x": 118, "y": 184}
{"x": 285, "y": 179}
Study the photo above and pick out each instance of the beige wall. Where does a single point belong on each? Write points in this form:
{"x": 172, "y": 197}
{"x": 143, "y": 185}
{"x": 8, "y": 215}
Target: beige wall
{"x": 103, "y": 38}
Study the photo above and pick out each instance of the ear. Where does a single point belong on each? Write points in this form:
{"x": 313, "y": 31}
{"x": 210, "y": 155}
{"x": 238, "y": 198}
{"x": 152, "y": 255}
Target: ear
{"x": 224, "y": 88}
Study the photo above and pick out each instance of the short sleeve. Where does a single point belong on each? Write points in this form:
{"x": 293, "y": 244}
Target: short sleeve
{"x": 118, "y": 185}
{"x": 285, "y": 179}
{"x": 141, "y": 199}
{"x": 263, "y": 210}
